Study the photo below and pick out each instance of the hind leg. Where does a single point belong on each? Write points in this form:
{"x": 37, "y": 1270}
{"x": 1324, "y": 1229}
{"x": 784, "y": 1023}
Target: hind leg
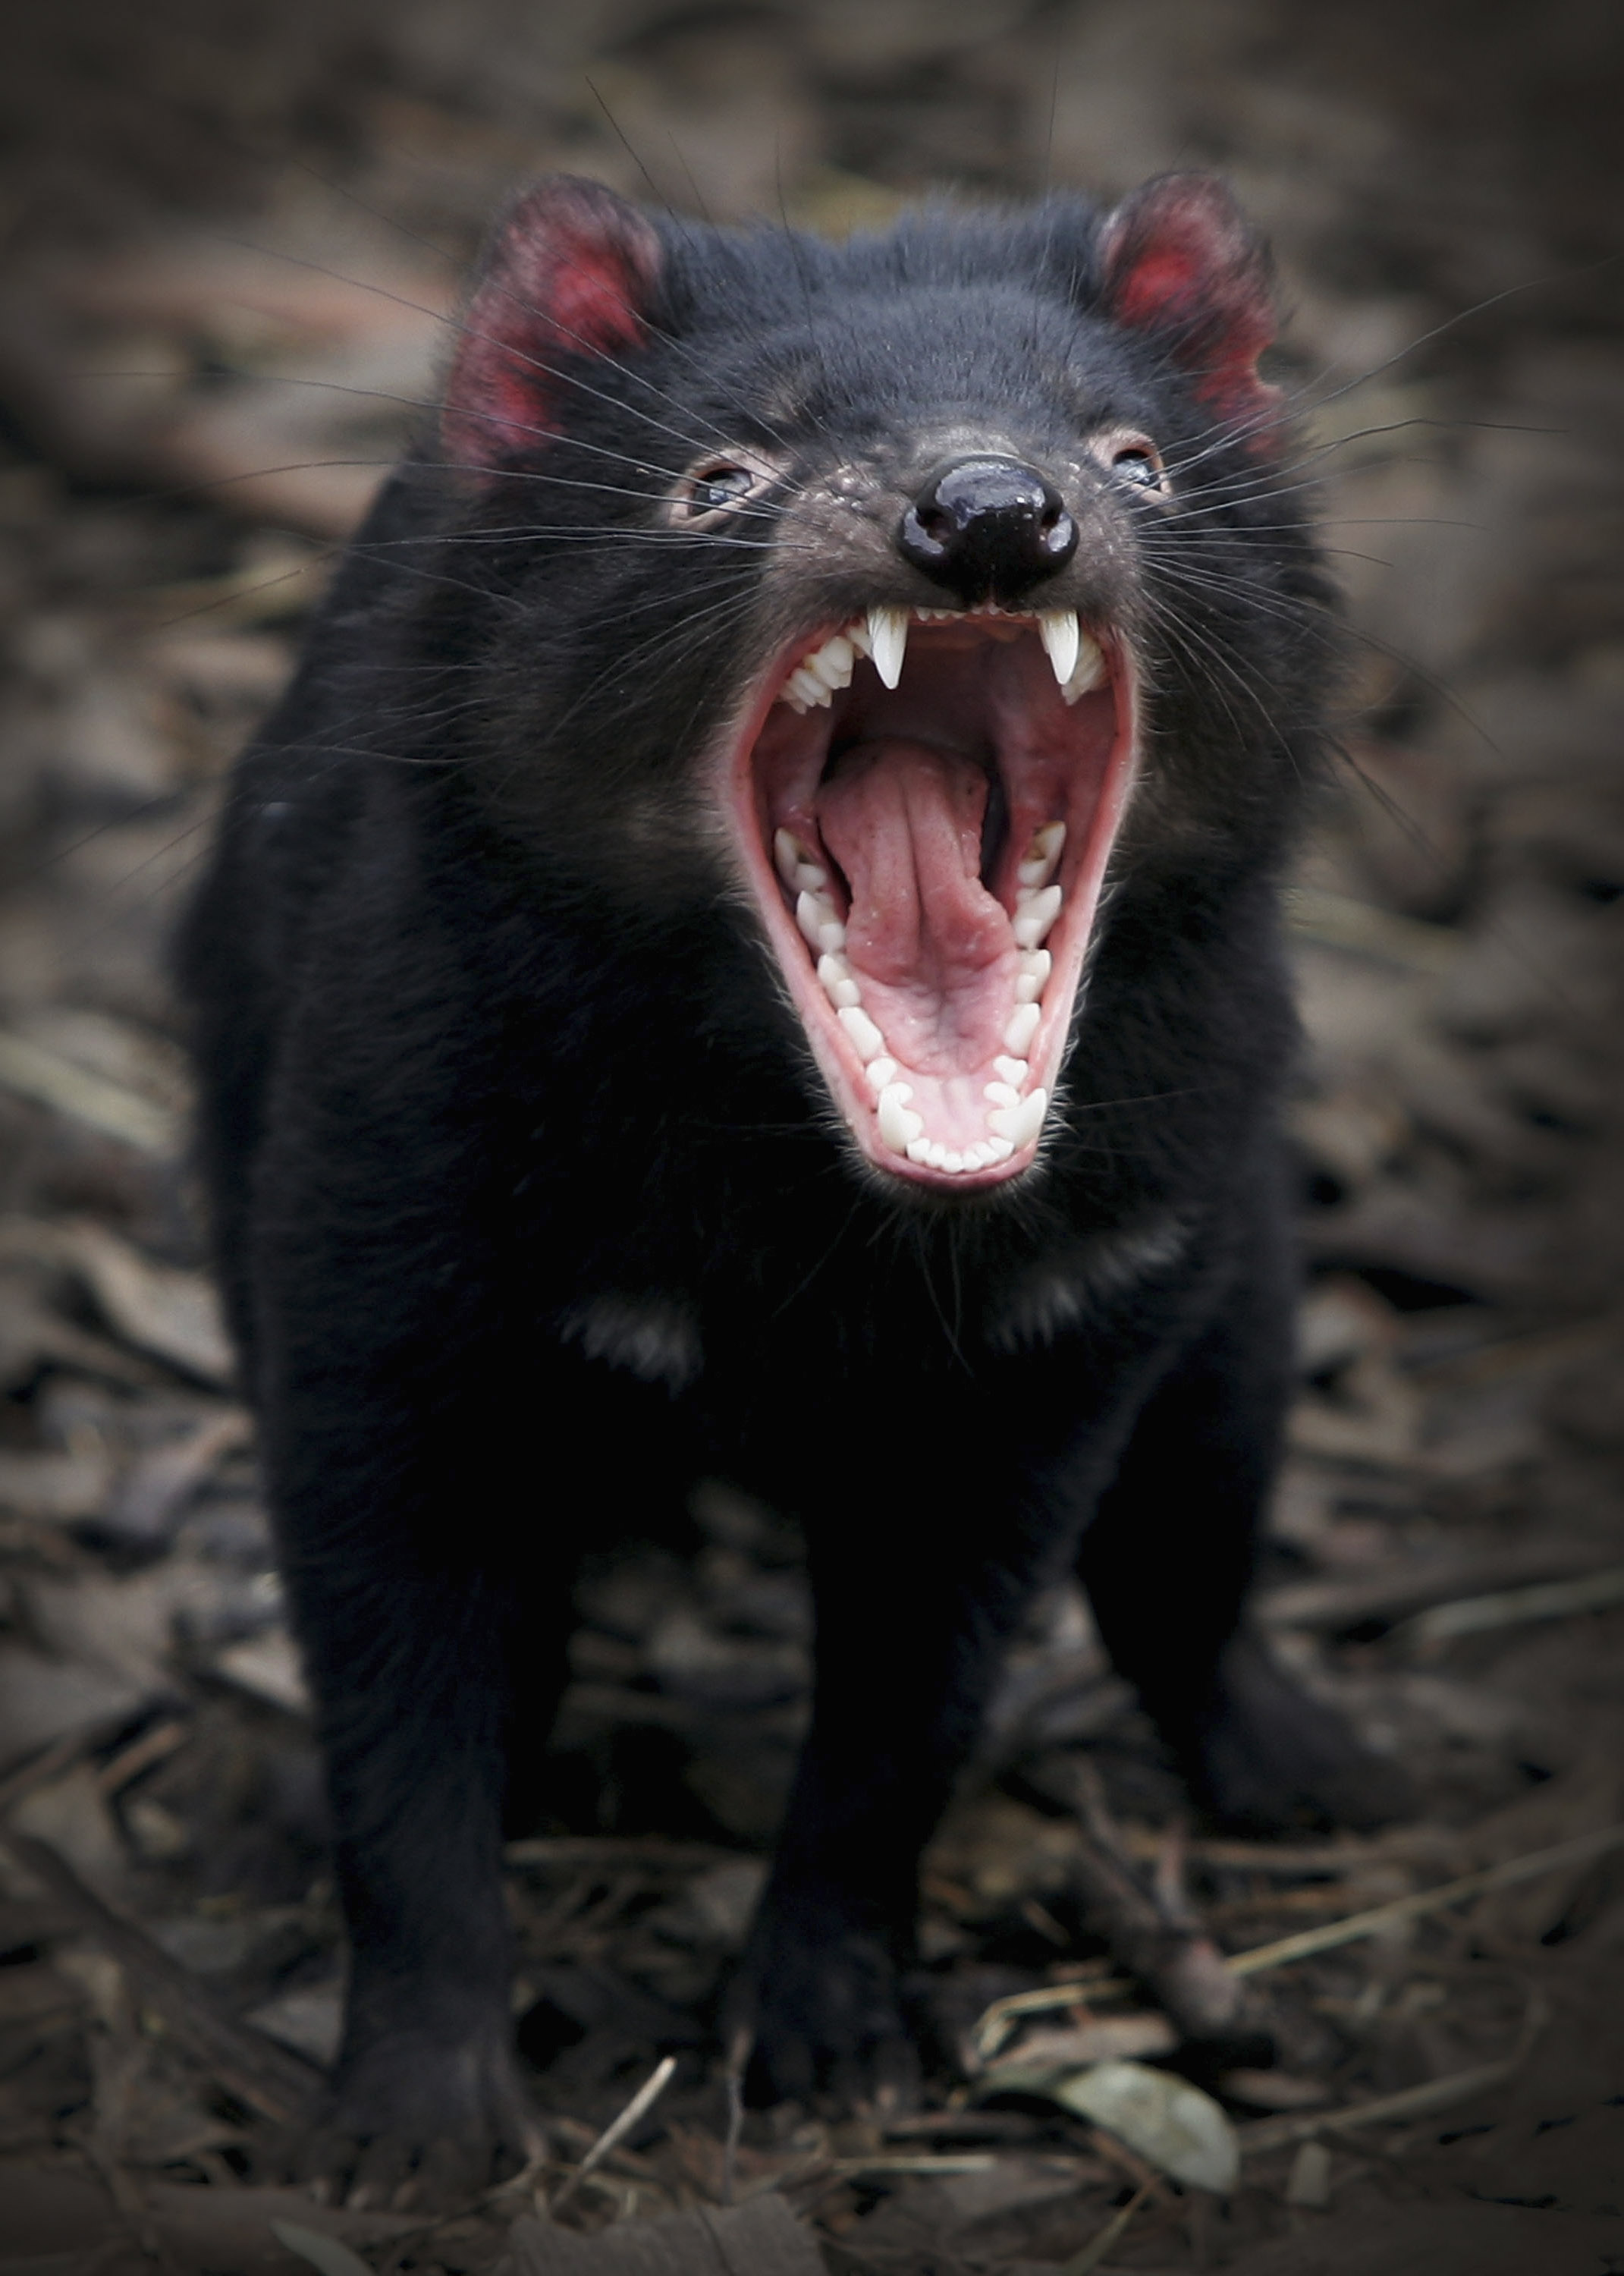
{"x": 1167, "y": 1563}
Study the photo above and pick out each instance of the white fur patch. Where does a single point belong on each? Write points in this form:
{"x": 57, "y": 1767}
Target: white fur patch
{"x": 1050, "y": 1297}
{"x": 653, "y": 1336}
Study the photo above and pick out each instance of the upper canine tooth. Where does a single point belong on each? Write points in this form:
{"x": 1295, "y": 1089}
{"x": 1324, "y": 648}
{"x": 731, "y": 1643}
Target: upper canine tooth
{"x": 888, "y": 642}
{"x": 1039, "y": 865}
{"x": 1087, "y": 672}
{"x": 1058, "y": 629}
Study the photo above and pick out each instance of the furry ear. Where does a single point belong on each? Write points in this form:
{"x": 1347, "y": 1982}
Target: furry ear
{"x": 572, "y": 269}
{"x": 1179, "y": 259}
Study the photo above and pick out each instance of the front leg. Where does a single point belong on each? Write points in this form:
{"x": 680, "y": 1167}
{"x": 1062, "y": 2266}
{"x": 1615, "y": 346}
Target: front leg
{"x": 413, "y": 1712}
{"x": 921, "y": 1571}
{"x": 432, "y": 1619}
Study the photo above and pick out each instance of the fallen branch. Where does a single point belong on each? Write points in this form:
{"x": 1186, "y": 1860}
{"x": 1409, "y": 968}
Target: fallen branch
{"x": 1548, "y": 1600}
{"x": 1581, "y": 1850}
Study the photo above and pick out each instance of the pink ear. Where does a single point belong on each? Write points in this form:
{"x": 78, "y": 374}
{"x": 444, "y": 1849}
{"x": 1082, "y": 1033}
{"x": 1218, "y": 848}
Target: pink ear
{"x": 1181, "y": 259}
{"x": 572, "y": 272}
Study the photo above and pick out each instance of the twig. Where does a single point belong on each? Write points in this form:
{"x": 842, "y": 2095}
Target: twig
{"x": 1409, "y": 2102}
{"x": 737, "y": 2063}
{"x": 269, "y": 2078}
{"x": 1548, "y": 1600}
{"x": 1115, "y": 2229}
{"x": 1580, "y": 1851}
{"x": 32, "y": 1072}
{"x": 647, "y": 2095}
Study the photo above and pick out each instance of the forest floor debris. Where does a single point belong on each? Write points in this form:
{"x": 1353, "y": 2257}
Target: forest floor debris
{"x": 1427, "y": 2068}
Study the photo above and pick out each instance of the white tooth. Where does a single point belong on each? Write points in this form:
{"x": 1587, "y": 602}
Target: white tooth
{"x": 1037, "y": 963}
{"x": 1036, "y": 912}
{"x": 1038, "y": 867}
{"x": 862, "y": 1031}
{"x": 1002, "y": 1094}
{"x": 952, "y": 1159}
{"x": 806, "y": 685}
{"x": 1031, "y": 1111}
{"x": 841, "y": 989}
{"x": 1021, "y": 1029}
{"x": 857, "y": 634}
{"x": 898, "y": 1127}
{"x": 815, "y": 913}
{"x": 796, "y": 703}
{"x": 1012, "y": 1071}
{"x": 788, "y": 853}
{"x": 1020, "y": 1124}
{"x": 1058, "y": 630}
{"x": 888, "y": 642}
{"x": 978, "y": 1157}
{"x": 880, "y": 1072}
{"x": 1027, "y": 990}
{"x": 1088, "y": 672}
{"x": 832, "y": 664}
{"x": 919, "y": 1150}
{"x": 1001, "y": 1148}
{"x": 937, "y": 1155}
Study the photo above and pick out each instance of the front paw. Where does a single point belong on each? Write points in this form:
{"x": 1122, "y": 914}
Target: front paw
{"x": 1269, "y": 1758}
{"x": 419, "y": 2122}
{"x": 818, "y": 2001}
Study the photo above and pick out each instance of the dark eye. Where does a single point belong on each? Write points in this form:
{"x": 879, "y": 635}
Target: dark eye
{"x": 1137, "y": 465}
{"x": 721, "y": 486}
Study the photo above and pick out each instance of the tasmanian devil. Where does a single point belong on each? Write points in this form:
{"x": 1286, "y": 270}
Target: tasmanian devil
{"x": 751, "y": 948}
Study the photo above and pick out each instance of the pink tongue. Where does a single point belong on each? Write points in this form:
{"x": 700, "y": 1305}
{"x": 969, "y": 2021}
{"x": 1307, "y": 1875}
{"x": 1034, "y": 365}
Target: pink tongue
{"x": 931, "y": 949}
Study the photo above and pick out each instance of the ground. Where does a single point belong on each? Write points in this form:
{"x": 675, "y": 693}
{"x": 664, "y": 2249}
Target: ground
{"x": 232, "y": 244}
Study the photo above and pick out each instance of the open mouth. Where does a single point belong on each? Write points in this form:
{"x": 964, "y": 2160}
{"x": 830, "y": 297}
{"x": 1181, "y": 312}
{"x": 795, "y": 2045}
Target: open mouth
{"x": 926, "y": 800}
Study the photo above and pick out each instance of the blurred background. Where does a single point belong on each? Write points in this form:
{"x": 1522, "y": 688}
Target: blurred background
{"x": 234, "y": 232}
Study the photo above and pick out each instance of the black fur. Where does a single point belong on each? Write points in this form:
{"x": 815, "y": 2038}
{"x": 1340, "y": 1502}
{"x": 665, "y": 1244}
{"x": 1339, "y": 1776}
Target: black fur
{"x": 490, "y": 1045}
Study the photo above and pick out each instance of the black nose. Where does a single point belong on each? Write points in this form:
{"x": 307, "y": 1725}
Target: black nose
{"x": 988, "y": 528}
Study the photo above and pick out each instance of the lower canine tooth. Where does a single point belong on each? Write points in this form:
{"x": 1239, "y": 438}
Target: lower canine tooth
{"x": 1020, "y": 1124}
{"x": 865, "y": 1035}
{"x": 898, "y": 1126}
{"x": 1022, "y": 1027}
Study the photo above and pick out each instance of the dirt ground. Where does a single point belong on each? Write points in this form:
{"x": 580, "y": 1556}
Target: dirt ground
{"x": 232, "y": 237}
